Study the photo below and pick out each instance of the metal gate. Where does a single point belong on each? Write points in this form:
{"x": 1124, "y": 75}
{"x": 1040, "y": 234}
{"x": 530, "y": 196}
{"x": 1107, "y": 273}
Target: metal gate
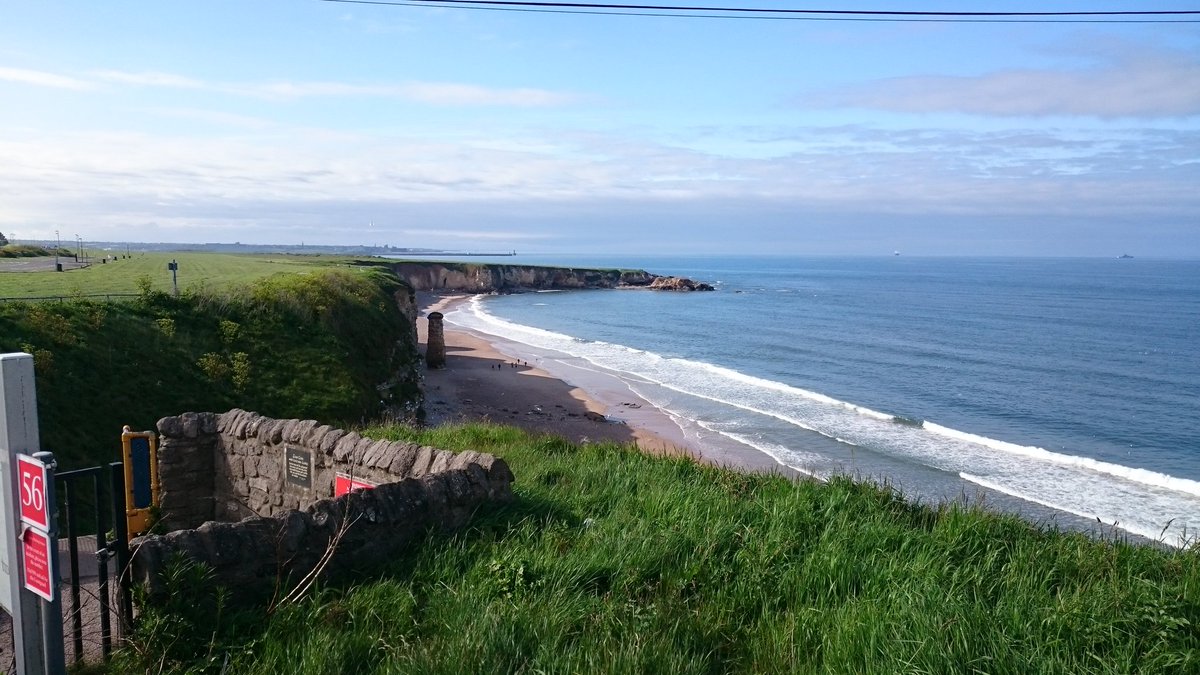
{"x": 93, "y": 550}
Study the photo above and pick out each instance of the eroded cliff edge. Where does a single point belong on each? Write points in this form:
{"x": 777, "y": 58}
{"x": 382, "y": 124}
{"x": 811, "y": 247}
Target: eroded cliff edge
{"x": 492, "y": 278}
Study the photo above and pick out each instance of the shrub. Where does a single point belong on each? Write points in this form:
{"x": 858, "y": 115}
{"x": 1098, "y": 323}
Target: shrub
{"x": 229, "y": 331}
{"x": 240, "y": 362}
{"x": 51, "y": 324}
{"x": 166, "y": 327}
{"x": 214, "y": 366}
{"x": 43, "y": 359}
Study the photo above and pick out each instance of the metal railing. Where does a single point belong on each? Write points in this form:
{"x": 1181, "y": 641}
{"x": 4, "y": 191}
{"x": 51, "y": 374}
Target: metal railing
{"x": 100, "y": 508}
{"x": 108, "y": 297}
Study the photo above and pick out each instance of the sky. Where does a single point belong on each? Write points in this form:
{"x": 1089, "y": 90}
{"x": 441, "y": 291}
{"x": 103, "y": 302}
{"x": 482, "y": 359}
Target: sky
{"x": 312, "y": 122}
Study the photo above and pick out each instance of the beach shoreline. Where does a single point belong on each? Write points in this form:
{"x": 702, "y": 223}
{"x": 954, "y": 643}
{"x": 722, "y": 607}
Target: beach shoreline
{"x": 485, "y": 379}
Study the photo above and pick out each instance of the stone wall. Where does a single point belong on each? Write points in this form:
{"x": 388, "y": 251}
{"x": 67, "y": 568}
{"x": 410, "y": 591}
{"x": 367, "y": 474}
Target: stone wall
{"x": 276, "y": 479}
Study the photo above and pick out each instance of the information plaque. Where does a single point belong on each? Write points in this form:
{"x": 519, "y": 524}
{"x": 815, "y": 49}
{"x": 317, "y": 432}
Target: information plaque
{"x": 298, "y": 467}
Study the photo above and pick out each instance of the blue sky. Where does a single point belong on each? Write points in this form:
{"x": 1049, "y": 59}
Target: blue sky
{"x": 317, "y": 122}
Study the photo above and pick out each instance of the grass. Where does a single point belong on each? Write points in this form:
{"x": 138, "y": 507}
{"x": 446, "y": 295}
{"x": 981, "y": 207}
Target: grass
{"x": 317, "y": 345}
{"x": 197, "y": 272}
{"x": 610, "y": 561}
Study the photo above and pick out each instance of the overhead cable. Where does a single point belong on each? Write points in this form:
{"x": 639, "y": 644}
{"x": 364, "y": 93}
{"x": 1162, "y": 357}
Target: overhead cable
{"x": 720, "y": 12}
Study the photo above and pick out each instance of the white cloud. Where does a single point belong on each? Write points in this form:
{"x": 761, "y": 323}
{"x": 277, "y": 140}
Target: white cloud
{"x": 150, "y": 79}
{"x": 43, "y": 79}
{"x": 213, "y": 117}
{"x": 439, "y": 93}
{"x": 279, "y": 180}
{"x": 1165, "y": 84}
{"x": 433, "y": 93}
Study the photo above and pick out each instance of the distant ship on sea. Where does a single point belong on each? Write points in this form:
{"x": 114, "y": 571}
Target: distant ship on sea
{"x": 1124, "y": 256}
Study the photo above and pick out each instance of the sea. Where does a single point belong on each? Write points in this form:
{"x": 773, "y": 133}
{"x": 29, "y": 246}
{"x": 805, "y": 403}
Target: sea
{"x": 1065, "y": 390}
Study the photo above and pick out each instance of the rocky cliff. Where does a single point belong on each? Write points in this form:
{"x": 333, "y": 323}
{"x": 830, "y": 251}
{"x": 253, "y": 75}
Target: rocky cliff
{"x": 486, "y": 278}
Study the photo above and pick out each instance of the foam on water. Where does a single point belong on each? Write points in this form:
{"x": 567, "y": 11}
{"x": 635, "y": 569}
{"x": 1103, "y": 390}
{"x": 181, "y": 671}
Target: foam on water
{"x": 726, "y": 401}
{"x": 1143, "y": 476}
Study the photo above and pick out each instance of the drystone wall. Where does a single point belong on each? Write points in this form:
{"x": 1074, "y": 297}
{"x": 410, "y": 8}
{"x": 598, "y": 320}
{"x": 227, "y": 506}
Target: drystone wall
{"x": 253, "y": 498}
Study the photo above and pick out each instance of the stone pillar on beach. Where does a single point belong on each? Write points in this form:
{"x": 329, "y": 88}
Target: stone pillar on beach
{"x": 435, "y": 342}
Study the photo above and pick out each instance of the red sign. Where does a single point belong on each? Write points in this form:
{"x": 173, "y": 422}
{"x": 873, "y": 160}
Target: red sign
{"x": 343, "y": 483}
{"x": 39, "y": 563}
{"x": 31, "y": 486}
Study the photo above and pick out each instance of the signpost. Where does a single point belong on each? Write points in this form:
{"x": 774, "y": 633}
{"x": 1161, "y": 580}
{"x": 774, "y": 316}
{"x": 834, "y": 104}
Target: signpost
{"x": 35, "y": 483}
{"x": 28, "y": 527}
{"x": 39, "y": 551}
{"x": 31, "y": 481}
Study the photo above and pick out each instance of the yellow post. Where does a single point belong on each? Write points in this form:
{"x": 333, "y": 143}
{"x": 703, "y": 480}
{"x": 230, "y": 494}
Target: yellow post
{"x": 139, "y": 451}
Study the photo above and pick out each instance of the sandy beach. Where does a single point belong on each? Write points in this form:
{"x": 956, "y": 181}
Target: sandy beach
{"x": 481, "y": 383}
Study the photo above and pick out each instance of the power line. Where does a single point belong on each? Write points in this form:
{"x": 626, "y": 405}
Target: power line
{"x": 712, "y": 12}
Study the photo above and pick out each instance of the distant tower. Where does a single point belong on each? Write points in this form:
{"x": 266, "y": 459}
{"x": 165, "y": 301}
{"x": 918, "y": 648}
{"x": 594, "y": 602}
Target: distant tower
{"x": 435, "y": 342}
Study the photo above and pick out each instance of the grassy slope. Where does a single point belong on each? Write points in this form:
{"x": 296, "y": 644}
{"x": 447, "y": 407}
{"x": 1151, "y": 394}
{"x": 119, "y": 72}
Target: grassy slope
{"x": 197, "y": 271}
{"x": 612, "y": 561}
{"x": 315, "y": 346}
{"x": 25, "y": 251}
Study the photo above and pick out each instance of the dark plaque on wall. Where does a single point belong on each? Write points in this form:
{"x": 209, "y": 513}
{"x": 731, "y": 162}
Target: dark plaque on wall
{"x": 298, "y": 467}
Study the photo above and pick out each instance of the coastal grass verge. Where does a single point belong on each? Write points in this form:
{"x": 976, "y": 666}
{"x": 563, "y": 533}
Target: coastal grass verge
{"x": 613, "y": 561}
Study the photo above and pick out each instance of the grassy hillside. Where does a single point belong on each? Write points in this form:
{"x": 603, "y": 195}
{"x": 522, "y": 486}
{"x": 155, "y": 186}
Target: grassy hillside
{"x": 312, "y": 345}
{"x": 615, "y": 562}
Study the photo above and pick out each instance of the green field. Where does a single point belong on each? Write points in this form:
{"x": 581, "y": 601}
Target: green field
{"x": 211, "y": 271}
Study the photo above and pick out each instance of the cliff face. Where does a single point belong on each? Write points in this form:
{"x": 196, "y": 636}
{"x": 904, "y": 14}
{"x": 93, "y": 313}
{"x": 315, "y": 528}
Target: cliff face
{"x": 481, "y": 278}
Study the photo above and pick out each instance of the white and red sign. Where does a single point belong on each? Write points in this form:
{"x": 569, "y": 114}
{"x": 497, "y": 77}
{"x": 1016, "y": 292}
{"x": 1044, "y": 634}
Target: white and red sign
{"x": 31, "y": 486}
{"x": 39, "y": 563}
{"x": 344, "y": 483}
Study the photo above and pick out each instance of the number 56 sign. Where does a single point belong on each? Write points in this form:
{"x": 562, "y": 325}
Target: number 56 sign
{"x": 31, "y": 486}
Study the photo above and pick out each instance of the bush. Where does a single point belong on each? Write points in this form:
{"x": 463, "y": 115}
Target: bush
{"x": 213, "y": 366}
{"x": 166, "y": 326}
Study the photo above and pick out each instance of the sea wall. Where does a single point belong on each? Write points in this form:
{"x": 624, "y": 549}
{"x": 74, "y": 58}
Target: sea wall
{"x": 254, "y": 498}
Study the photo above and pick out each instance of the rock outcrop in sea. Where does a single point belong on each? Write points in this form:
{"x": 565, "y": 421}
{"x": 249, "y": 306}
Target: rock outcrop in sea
{"x": 678, "y": 284}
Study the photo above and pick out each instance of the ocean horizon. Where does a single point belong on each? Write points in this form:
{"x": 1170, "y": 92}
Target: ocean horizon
{"x": 1062, "y": 389}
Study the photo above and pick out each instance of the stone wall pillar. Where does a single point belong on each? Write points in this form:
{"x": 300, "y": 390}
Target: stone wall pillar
{"x": 435, "y": 342}
{"x": 186, "y": 468}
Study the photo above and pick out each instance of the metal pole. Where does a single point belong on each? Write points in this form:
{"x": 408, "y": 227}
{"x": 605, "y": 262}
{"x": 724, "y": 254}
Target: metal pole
{"x": 102, "y": 554}
{"x": 121, "y": 545}
{"x": 73, "y": 549}
{"x": 52, "y": 627}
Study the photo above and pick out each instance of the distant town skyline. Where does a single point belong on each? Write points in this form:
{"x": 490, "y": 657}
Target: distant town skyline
{"x": 435, "y": 127}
